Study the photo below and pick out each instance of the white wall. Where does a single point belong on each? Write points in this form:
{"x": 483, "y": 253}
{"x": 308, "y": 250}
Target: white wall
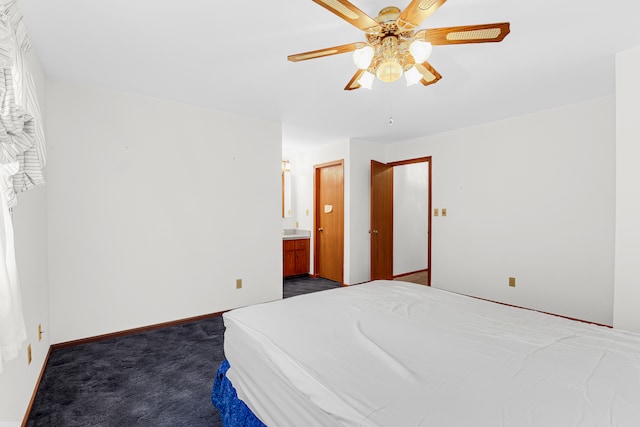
{"x": 18, "y": 380}
{"x": 302, "y": 176}
{"x": 410, "y": 217}
{"x": 627, "y": 266}
{"x": 155, "y": 209}
{"x": 362, "y": 153}
{"x": 530, "y": 197}
{"x": 357, "y": 155}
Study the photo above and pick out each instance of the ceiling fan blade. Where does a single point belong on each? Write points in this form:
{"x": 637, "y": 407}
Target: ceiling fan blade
{"x": 417, "y": 11}
{"x": 465, "y": 34}
{"x": 429, "y": 74}
{"x": 325, "y": 52}
{"x": 353, "y": 83}
{"x": 347, "y": 11}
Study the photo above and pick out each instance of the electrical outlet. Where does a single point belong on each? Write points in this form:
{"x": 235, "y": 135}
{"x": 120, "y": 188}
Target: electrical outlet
{"x": 39, "y": 332}
{"x": 512, "y": 282}
{"x": 238, "y": 283}
{"x": 435, "y": 212}
{"x": 29, "y": 354}
{"x": 444, "y": 211}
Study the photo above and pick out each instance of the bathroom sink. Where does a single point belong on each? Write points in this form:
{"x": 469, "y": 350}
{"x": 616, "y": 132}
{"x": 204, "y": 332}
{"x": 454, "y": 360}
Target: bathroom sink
{"x": 295, "y": 233}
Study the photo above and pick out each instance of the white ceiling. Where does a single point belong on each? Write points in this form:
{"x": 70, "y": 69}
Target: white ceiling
{"x": 232, "y": 56}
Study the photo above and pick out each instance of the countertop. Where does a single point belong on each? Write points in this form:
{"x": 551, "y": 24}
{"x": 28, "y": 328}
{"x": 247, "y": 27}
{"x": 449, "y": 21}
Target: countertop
{"x": 295, "y": 233}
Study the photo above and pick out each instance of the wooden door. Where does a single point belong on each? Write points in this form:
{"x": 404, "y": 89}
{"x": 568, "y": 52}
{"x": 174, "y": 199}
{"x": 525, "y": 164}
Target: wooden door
{"x": 329, "y": 221}
{"x": 381, "y": 231}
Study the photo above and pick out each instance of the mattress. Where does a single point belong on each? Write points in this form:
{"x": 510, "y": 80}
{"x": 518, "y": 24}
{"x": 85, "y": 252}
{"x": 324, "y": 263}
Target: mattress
{"x": 390, "y": 353}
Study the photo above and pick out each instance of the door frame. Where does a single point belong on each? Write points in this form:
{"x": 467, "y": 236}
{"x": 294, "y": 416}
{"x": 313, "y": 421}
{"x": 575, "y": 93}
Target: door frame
{"x": 317, "y": 209}
{"x": 429, "y": 160}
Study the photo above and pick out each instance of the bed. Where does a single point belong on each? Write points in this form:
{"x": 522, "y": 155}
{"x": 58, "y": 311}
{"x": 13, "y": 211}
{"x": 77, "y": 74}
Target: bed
{"x": 390, "y": 353}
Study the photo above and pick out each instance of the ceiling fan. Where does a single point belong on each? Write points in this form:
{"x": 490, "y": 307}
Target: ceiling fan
{"x": 393, "y": 44}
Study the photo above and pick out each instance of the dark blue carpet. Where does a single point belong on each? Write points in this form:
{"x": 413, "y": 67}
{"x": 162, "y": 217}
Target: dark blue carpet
{"x": 156, "y": 378}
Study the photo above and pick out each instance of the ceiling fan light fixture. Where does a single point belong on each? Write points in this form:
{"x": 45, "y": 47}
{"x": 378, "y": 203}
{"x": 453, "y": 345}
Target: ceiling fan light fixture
{"x": 389, "y": 71}
{"x": 362, "y": 57}
{"x": 420, "y": 50}
{"x": 394, "y": 45}
{"x": 413, "y": 76}
{"x": 366, "y": 80}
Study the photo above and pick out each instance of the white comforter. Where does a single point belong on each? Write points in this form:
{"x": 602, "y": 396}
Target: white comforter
{"x": 389, "y": 353}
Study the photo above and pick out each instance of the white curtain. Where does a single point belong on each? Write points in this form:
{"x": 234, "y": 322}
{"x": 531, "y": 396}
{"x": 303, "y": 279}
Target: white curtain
{"x": 22, "y": 157}
{"x": 12, "y": 329}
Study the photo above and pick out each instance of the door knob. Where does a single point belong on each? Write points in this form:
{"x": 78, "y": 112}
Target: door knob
{"x": 320, "y": 229}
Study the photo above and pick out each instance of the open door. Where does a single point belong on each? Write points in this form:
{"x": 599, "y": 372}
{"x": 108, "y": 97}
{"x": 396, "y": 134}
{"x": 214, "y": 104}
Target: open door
{"x": 382, "y": 218}
{"x": 381, "y": 231}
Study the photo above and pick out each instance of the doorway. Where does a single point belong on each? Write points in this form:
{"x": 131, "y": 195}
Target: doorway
{"x": 384, "y": 219}
{"x": 329, "y": 221}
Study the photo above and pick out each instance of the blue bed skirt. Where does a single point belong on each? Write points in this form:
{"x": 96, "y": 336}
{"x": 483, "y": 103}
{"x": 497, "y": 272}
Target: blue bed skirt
{"x": 233, "y": 411}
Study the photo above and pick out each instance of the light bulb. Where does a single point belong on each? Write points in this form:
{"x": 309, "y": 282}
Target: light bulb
{"x": 413, "y": 76}
{"x": 389, "y": 71}
{"x": 366, "y": 80}
{"x": 420, "y": 50}
{"x": 362, "y": 57}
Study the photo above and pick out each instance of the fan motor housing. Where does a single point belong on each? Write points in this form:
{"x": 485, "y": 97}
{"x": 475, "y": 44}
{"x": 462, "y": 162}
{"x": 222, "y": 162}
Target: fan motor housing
{"x": 389, "y": 13}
